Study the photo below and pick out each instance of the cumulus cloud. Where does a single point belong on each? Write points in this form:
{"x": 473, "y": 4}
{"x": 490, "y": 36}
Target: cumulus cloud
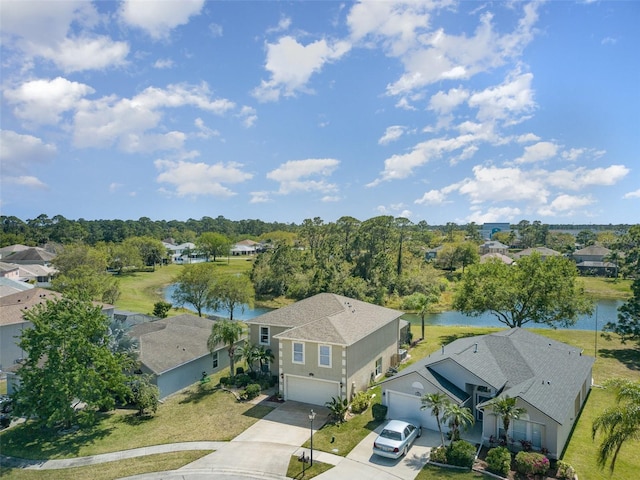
{"x": 291, "y": 65}
{"x": 163, "y": 63}
{"x": 494, "y": 214}
{"x": 295, "y": 175}
{"x": 43, "y": 29}
{"x": 19, "y": 153}
{"x": 565, "y": 205}
{"x": 445, "y": 102}
{"x": 199, "y": 178}
{"x": 634, "y": 194}
{"x": 260, "y": 197}
{"x": 44, "y": 101}
{"x": 432, "y": 197}
{"x": 582, "y": 177}
{"x": 510, "y": 102}
{"x": 159, "y": 18}
{"x": 248, "y": 115}
{"x": 391, "y": 134}
{"x": 538, "y": 152}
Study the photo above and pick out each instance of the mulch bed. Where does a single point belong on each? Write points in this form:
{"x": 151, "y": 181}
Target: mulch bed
{"x": 481, "y": 464}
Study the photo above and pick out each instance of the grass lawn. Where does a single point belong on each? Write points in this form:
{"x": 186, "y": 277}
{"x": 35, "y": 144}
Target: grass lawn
{"x": 111, "y": 470}
{"x": 140, "y": 290}
{"x": 431, "y": 472}
{"x": 295, "y": 469}
{"x": 195, "y": 414}
{"x": 599, "y": 287}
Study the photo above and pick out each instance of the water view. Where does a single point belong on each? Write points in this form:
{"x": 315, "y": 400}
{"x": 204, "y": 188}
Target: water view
{"x": 605, "y": 311}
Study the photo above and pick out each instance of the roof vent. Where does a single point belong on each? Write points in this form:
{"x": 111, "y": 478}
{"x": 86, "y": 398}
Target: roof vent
{"x": 475, "y": 348}
{"x": 443, "y": 349}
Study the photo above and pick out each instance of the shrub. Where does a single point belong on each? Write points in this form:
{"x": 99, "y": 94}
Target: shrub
{"x": 499, "y": 460}
{"x": 461, "y": 453}
{"x": 565, "y": 471}
{"x": 239, "y": 371}
{"x": 379, "y": 411}
{"x": 360, "y": 402}
{"x": 225, "y": 381}
{"x": 439, "y": 455}
{"x": 253, "y": 375}
{"x": 242, "y": 380}
{"x": 531, "y": 463}
{"x": 252, "y": 391}
{"x": 527, "y": 446}
{"x": 338, "y": 407}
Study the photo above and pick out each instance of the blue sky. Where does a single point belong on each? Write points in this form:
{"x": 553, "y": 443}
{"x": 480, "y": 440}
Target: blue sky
{"x": 440, "y": 111}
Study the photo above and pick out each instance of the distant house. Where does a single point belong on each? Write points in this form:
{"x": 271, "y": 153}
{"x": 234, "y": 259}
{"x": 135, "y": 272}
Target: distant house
{"x": 11, "y": 249}
{"x": 550, "y": 379}
{"x": 9, "y": 270}
{"x": 184, "y": 253}
{"x": 245, "y": 247}
{"x": 174, "y": 351}
{"x": 328, "y": 345}
{"x": 591, "y": 261}
{"x": 496, "y": 256}
{"x": 543, "y": 251}
{"x": 432, "y": 253}
{"x": 9, "y": 286}
{"x": 493, "y": 246}
{"x": 31, "y": 256}
{"x": 593, "y": 253}
{"x": 39, "y": 275}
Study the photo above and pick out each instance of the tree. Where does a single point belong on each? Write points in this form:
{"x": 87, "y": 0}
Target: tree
{"x": 265, "y": 357}
{"x": 458, "y": 418}
{"x": 249, "y": 353}
{"x": 506, "y": 408}
{"x": 144, "y": 395}
{"x": 193, "y": 286}
{"x": 161, "y": 309}
{"x": 628, "y": 325}
{"x": 227, "y": 332}
{"x": 213, "y": 244}
{"x": 230, "y": 292}
{"x": 437, "y": 402}
{"x": 620, "y": 423}
{"x": 586, "y": 238}
{"x": 420, "y": 303}
{"x": 533, "y": 291}
{"x": 152, "y": 251}
{"x": 68, "y": 363}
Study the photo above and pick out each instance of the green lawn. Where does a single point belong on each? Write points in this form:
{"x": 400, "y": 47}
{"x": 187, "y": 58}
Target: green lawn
{"x": 599, "y": 287}
{"x": 109, "y": 471}
{"x": 295, "y": 469}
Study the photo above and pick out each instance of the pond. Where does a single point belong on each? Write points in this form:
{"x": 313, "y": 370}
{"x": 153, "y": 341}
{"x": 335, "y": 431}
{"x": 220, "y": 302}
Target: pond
{"x": 605, "y": 311}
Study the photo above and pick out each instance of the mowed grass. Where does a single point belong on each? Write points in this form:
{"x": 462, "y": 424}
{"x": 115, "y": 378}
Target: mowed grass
{"x": 140, "y": 290}
{"x": 195, "y": 414}
{"x": 607, "y": 288}
{"x": 111, "y": 470}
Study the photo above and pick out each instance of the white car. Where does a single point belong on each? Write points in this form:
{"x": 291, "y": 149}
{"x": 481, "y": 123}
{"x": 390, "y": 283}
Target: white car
{"x": 396, "y": 438}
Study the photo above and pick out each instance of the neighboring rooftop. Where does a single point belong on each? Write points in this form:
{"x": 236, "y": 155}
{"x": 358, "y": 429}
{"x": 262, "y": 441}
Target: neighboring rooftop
{"x": 12, "y": 307}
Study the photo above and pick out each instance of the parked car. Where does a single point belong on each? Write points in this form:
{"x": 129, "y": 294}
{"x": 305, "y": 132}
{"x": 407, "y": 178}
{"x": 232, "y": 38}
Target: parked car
{"x": 396, "y": 438}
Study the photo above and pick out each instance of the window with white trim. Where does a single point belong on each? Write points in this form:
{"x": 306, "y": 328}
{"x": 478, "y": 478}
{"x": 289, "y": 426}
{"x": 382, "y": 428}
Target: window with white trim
{"x": 265, "y": 338}
{"x": 379, "y": 366}
{"x": 215, "y": 359}
{"x": 324, "y": 356}
{"x": 298, "y": 353}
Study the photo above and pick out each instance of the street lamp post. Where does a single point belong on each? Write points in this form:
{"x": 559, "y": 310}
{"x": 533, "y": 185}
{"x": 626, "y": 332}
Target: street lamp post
{"x": 312, "y": 415}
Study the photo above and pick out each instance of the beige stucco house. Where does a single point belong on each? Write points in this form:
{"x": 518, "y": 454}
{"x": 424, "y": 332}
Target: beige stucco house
{"x": 328, "y": 345}
{"x": 549, "y": 379}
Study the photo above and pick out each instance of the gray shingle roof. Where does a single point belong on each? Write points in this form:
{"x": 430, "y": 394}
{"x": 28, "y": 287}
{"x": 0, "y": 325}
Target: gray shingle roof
{"x": 330, "y": 318}
{"x": 545, "y": 373}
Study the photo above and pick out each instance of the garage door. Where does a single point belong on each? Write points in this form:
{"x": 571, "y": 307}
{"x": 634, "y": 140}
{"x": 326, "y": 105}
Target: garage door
{"x": 407, "y": 407}
{"x": 310, "y": 390}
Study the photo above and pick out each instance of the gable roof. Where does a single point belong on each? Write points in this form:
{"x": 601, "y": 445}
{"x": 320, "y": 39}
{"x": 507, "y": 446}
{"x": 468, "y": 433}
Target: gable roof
{"x": 32, "y": 254}
{"x": 545, "y": 373}
{"x": 497, "y": 256}
{"x": 170, "y": 342}
{"x": 328, "y": 318}
{"x": 543, "y": 251}
{"x": 593, "y": 250}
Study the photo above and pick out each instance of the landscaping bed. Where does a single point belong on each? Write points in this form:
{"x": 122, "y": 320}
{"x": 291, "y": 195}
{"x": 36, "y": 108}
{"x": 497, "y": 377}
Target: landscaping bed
{"x": 481, "y": 465}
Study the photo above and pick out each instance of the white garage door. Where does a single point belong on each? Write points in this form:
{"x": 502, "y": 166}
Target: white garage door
{"x": 310, "y": 390}
{"x": 407, "y": 407}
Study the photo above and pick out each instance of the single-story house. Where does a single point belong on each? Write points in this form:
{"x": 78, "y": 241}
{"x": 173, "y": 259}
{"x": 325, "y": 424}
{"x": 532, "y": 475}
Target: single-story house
{"x": 174, "y": 351}
{"x": 493, "y": 246}
{"x": 31, "y": 256}
{"x": 496, "y": 256}
{"x": 550, "y": 379}
{"x": 245, "y": 247}
{"x": 328, "y": 345}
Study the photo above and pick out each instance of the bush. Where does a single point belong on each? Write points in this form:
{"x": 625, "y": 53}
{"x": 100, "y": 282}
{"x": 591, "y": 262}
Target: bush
{"x": 531, "y": 463}
{"x": 565, "y": 471}
{"x": 461, "y": 453}
{"x": 439, "y": 455}
{"x": 379, "y": 411}
{"x": 239, "y": 371}
{"x": 252, "y": 391}
{"x": 338, "y": 407}
{"x": 225, "y": 381}
{"x": 360, "y": 402}
{"x": 499, "y": 460}
{"x": 242, "y": 380}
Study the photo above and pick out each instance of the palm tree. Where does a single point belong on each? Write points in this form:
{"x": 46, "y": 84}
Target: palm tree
{"x": 227, "y": 332}
{"x": 264, "y": 356}
{"x": 618, "y": 423}
{"x": 249, "y": 353}
{"x": 458, "y": 418}
{"x": 506, "y": 408}
{"x": 421, "y": 302}
{"x": 437, "y": 402}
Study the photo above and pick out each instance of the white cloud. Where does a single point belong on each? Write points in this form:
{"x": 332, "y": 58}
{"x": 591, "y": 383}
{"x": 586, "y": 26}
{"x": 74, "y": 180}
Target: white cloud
{"x": 582, "y": 177}
{"x": 538, "y": 152}
{"x": 508, "y": 102}
{"x": 283, "y": 25}
{"x": 26, "y": 181}
{"x": 495, "y": 214}
{"x": 330, "y": 198}
{"x": 159, "y": 18}
{"x": 260, "y": 197}
{"x": 495, "y": 184}
{"x": 391, "y": 134}
{"x": 573, "y": 154}
{"x": 203, "y": 130}
{"x": 126, "y": 122}
{"x": 444, "y": 103}
{"x": 635, "y": 194}
{"x": 163, "y": 63}
{"x": 432, "y": 197}
{"x": 198, "y": 179}
{"x": 527, "y": 138}
{"x": 293, "y": 175}
{"x": 43, "y": 101}
{"x": 248, "y": 115}
{"x": 565, "y": 204}
{"x": 114, "y": 187}
{"x": 42, "y": 29}
{"x": 19, "y": 153}
{"x": 291, "y": 65}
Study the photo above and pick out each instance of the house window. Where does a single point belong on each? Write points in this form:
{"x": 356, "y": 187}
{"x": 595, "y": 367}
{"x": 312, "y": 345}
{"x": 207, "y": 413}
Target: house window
{"x": 379, "y": 366}
{"x": 298, "y": 352}
{"x": 536, "y": 435}
{"x": 324, "y": 355}
{"x": 264, "y": 336}
{"x": 519, "y": 430}
{"x": 215, "y": 359}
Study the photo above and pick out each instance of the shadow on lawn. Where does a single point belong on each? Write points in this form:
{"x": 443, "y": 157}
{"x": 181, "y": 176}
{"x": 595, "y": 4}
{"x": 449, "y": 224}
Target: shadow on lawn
{"x": 198, "y": 393}
{"x": 447, "y": 339}
{"x": 630, "y": 357}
